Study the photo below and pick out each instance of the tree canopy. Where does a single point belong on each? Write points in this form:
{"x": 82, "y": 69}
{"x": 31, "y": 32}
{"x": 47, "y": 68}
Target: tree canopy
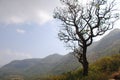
{"x": 81, "y": 23}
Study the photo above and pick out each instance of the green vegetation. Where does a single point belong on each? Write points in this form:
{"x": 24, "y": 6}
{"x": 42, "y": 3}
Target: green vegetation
{"x": 100, "y": 70}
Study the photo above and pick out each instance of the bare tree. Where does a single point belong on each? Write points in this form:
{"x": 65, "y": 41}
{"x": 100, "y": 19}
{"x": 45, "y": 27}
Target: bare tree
{"x": 81, "y": 23}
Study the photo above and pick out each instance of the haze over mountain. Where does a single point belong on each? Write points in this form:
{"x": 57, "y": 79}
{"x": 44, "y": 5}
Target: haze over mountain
{"x": 108, "y": 45}
{"x": 57, "y": 64}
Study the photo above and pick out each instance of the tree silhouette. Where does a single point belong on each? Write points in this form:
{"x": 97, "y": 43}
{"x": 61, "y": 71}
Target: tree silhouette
{"x": 81, "y": 23}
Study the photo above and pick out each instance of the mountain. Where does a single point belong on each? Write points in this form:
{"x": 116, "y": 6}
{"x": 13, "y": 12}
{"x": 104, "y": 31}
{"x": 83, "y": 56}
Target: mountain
{"x": 106, "y": 68}
{"x": 52, "y": 58}
{"x": 108, "y": 45}
{"x": 17, "y": 67}
{"x": 57, "y": 64}
{"x": 45, "y": 65}
{"x": 107, "y": 40}
{"x": 66, "y": 64}
{"x": 30, "y": 66}
{"x": 52, "y": 64}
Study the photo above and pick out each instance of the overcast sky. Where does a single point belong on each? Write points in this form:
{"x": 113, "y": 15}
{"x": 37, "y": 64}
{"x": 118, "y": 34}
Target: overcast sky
{"x": 27, "y": 30}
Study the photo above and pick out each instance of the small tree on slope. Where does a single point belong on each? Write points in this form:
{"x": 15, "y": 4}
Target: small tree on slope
{"x": 81, "y": 23}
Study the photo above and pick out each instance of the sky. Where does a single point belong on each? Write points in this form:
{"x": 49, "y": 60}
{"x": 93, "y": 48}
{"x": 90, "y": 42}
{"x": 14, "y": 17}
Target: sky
{"x": 28, "y": 30}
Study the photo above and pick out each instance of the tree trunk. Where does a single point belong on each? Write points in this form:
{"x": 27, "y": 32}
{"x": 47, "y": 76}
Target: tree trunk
{"x": 85, "y": 68}
{"x": 85, "y": 62}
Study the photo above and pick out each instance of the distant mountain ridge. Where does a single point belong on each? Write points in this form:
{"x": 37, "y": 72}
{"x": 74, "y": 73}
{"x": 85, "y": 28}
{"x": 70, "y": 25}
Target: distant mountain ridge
{"x": 108, "y": 45}
{"x": 57, "y": 64}
{"x": 48, "y": 65}
{"x": 109, "y": 39}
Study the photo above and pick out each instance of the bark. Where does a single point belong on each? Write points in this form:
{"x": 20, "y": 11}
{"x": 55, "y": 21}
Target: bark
{"x": 85, "y": 68}
{"x": 85, "y": 62}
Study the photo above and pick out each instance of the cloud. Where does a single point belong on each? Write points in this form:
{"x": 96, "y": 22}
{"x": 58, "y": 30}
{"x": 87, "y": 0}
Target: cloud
{"x": 22, "y": 11}
{"x": 42, "y": 17}
{"x": 8, "y": 55}
{"x": 25, "y": 11}
{"x": 21, "y": 31}
{"x": 14, "y": 20}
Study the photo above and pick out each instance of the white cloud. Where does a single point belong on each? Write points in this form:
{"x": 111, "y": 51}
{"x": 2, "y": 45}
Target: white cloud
{"x": 21, "y": 31}
{"x": 43, "y": 17}
{"x": 8, "y": 55}
{"x": 14, "y": 20}
{"x": 21, "y": 11}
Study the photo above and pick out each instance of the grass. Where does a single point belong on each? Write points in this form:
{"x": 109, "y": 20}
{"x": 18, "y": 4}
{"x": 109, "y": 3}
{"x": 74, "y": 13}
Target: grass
{"x": 103, "y": 69}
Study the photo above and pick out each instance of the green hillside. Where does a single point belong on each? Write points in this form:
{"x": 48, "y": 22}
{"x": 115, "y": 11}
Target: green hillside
{"x": 103, "y": 69}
